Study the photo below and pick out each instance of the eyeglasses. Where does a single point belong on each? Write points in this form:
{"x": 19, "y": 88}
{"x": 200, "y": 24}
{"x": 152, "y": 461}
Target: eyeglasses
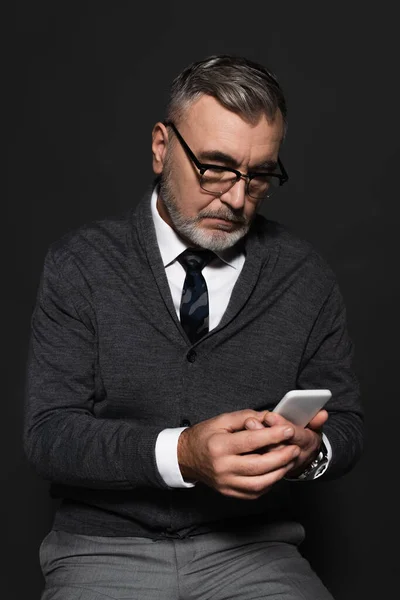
{"x": 217, "y": 179}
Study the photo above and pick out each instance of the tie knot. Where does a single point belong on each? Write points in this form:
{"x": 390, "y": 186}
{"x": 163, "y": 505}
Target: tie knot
{"x": 195, "y": 260}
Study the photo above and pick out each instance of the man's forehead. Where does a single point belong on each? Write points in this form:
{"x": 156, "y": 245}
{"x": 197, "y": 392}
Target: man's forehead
{"x": 215, "y": 132}
{"x": 207, "y": 118}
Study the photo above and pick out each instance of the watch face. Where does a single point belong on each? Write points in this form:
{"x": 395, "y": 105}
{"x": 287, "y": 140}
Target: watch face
{"x": 316, "y": 468}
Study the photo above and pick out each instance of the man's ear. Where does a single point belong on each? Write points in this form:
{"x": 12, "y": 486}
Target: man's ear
{"x": 159, "y": 146}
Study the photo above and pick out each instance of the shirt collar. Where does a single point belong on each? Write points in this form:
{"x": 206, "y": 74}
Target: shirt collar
{"x": 171, "y": 244}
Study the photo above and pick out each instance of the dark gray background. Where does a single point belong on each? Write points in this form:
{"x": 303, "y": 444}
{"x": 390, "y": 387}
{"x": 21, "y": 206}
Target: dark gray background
{"x": 84, "y": 83}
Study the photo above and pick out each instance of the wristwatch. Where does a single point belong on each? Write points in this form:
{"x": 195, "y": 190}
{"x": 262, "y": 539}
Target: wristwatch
{"x": 318, "y": 465}
{"x": 314, "y": 469}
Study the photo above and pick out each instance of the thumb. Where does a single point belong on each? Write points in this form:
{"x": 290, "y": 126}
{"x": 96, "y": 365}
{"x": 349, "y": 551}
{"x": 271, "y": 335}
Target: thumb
{"x": 317, "y": 422}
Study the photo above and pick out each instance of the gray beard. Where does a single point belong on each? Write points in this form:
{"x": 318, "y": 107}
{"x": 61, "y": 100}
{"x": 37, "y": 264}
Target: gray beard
{"x": 189, "y": 227}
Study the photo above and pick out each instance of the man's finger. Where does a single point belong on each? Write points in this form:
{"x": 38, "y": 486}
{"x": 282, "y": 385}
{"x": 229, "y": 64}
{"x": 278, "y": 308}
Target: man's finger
{"x": 251, "y": 488}
{"x": 253, "y": 465}
{"x": 245, "y": 441}
{"x": 234, "y": 421}
{"x": 253, "y": 424}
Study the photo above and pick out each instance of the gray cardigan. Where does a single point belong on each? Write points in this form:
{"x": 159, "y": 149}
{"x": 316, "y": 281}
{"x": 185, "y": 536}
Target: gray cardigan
{"x": 110, "y": 366}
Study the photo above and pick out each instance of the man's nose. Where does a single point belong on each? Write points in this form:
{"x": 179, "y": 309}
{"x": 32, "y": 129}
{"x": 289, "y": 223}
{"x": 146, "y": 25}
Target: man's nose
{"x": 236, "y": 196}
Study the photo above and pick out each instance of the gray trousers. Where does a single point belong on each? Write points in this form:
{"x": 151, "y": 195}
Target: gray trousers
{"x": 219, "y": 566}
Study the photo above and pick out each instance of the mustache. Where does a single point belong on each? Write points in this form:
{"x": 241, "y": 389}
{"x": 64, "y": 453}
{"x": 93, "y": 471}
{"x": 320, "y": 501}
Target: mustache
{"x": 223, "y": 213}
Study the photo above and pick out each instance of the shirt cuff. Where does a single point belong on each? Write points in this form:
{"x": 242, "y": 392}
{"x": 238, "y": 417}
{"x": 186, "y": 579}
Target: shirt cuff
{"x": 328, "y": 449}
{"x": 167, "y": 458}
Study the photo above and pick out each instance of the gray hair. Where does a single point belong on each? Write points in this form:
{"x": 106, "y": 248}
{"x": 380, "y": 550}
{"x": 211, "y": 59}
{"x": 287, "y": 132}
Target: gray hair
{"x": 239, "y": 84}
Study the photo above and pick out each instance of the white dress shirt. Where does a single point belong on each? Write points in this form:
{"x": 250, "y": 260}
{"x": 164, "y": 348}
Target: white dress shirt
{"x": 220, "y": 275}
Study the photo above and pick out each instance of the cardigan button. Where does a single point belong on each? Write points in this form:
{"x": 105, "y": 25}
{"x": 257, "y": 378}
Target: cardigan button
{"x": 191, "y": 356}
{"x": 185, "y": 423}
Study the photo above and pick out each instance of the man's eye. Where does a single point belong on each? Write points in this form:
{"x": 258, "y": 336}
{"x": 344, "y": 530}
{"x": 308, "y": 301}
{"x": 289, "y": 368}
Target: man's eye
{"x": 218, "y": 175}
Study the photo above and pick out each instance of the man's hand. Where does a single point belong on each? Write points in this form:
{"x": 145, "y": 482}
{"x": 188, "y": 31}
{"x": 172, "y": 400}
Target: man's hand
{"x": 223, "y": 454}
{"x": 307, "y": 439}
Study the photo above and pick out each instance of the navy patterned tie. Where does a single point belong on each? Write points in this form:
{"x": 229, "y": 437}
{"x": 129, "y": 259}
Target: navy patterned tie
{"x": 194, "y": 300}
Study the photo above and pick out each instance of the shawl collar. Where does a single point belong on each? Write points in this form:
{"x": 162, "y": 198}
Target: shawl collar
{"x": 260, "y": 253}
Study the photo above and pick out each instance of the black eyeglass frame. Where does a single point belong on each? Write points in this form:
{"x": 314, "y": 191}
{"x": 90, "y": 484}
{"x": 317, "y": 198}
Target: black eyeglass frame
{"x": 202, "y": 167}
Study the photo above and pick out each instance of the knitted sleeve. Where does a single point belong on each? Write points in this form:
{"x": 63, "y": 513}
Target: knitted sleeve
{"x": 63, "y": 439}
{"x": 328, "y": 360}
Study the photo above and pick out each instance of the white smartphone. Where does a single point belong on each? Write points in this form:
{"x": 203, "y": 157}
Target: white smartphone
{"x": 300, "y": 406}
